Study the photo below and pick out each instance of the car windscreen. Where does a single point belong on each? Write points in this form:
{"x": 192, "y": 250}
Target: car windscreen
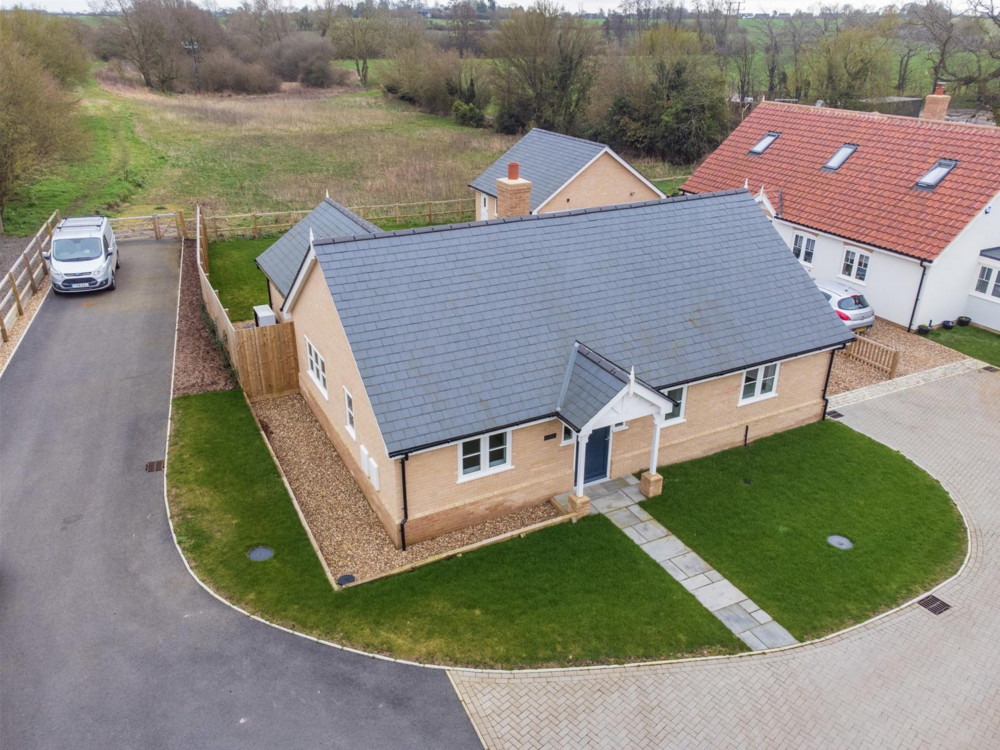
{"x": 77, "y": 248}
{"x": 854, "y": 302}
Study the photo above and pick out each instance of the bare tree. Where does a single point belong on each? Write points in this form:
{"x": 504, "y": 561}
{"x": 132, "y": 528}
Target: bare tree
{"x": 937, "y": 21}
{"x": 773, "y": 49}
{"x": 361, "y": 34}
{"x": 463, "y": 23}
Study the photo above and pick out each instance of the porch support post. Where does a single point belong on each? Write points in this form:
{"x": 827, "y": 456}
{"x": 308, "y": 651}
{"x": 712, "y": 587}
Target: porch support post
{"x": 654, "y": 455}
{"x": 579, "y": 504}
{"x": 651, "y": 483}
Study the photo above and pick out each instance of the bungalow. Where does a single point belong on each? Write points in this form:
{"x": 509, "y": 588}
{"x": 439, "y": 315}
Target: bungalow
{"x": 904, "y": 209}
{"x": 282, "y": 260}
{"x": 466, "y": 371}
{"x": 566, "y": 172}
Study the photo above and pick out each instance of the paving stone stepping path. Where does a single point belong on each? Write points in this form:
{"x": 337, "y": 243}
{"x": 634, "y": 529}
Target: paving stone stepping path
{"x": 618, "y": 500}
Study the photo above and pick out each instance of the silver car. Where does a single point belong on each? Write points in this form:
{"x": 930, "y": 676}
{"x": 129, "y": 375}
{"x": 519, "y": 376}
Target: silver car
{"x": 83, "y": 256}
{"x": 849, "y": 304}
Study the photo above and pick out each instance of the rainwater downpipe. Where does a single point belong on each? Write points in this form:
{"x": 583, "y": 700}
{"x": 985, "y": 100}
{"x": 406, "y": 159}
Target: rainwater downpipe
{"x": 826, "y": 383}
{"x": 406, "y": 510}
{"x": 916, "y": 301}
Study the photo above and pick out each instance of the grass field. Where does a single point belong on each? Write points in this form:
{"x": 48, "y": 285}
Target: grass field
{"x": 761, "y": 515}
{"x": 568, "y": 595}
{"x": 975, "y": 342}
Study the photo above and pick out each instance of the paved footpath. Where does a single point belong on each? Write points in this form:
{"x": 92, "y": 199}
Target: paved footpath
{"x": 911, "y": 679}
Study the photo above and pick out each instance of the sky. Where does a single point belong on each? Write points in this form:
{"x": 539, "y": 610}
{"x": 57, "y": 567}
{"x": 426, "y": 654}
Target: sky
{"x": 747, "y": 6}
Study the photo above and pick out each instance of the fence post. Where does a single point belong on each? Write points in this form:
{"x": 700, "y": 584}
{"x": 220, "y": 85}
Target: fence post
{"x": 181, "y": 229}
{"x": 17, "y": 296}
{"x": 893, "y": 362}
{"x": 31, "y": 274}
{"x": 256, "y": 230}
{"x": 156, "y": 227}
{"x": 45, "y": 266}
{"x": 3, "y": 329}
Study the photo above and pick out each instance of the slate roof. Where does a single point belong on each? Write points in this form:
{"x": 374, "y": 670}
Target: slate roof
{"x": 993, "y": 253}
{"x": 872, "y": 198}
{"x": 548, "y": 159}
{"x": 280, "y": 262}
{"x": 463, "y": 329}
{"x": 591, "y": 382}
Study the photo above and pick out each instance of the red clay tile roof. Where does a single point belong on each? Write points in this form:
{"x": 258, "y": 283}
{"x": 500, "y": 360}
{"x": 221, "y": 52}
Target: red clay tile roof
{"x": 871, "y": 198}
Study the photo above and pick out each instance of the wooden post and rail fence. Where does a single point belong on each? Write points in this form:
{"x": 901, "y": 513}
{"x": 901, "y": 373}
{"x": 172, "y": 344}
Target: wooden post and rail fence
{"x": 883, "y": 358}
{"x": 264, "y": 359}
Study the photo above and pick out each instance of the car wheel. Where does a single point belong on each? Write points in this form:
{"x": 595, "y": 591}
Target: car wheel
{"x": 113, "y": 282}
{"x": 118, "y": 263}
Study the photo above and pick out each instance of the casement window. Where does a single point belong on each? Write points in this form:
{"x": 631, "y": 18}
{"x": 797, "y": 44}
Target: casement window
{"x": 349, "y": 409}
{"x": 803, "y": 247}
{"x": 568, "y": 436}
{"x": 855, "y": 265}
{"x": 676, "y": 414}
{"x": 317, "y": 367}
{"x": 988, "y": 282}
{"x": 759, "y": 383}
{"x": 486, "y": 454}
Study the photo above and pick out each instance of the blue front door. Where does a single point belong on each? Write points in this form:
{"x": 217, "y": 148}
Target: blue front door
{"x": 595, "y": 462}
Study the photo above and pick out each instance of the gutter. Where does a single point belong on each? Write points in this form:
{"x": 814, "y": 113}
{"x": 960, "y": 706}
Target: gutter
{"x": 916, "y": 300}
{"x": 406, "y": 509}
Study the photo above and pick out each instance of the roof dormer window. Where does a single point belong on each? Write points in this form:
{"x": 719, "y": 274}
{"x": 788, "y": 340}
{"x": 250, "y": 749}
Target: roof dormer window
{"x": 763, "y": 144}
{"x": 937, "y": 173}
{"x": 843, "y": 154}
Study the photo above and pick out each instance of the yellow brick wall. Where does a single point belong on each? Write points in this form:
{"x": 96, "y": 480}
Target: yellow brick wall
{"x": 276, "y": 302}
{"x": 604, "y": 183}
{"x": 316, "y": 318}
{"x": 438, "y": 502}
{"x": 714, "y": 421}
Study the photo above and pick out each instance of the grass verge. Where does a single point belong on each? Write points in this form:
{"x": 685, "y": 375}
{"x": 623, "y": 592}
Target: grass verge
{"x": 975, "y": 342}
{"x": 761, "y": 516}
{"x": 567, "y": 595}
{"x": 234, "y": 274}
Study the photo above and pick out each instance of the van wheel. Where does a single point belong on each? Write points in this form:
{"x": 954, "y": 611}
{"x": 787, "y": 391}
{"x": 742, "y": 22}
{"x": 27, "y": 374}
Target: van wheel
{"x": 118, "y": 263}
{"x": 113, "y": 282}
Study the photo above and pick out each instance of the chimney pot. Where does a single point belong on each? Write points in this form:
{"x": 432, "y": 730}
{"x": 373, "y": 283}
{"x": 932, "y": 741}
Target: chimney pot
{"x": 939, "y": 88}
{"x": 513, "y": 171}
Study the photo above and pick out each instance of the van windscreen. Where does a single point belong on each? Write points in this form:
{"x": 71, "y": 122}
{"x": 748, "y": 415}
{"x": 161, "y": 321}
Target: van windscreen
{"x": 77, "y": 248}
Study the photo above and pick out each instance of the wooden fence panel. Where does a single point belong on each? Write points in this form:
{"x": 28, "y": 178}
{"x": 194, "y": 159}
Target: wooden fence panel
{"x": 24, "y": 278}
{"x": 268, "y": 363}
{"x": 883, "y": 358}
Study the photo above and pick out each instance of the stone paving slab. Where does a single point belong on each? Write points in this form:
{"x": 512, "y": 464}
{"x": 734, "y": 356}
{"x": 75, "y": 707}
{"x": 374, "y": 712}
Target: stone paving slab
{"x": 665, "y": 548}
{"x": 718, "y": 595}
{"x": 908, "y": 680}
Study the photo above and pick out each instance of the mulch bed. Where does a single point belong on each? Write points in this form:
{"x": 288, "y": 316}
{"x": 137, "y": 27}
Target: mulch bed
{"x": 199, "y": 366}
{"x": 348, "y": 533}
{"x": 916, "y": 354}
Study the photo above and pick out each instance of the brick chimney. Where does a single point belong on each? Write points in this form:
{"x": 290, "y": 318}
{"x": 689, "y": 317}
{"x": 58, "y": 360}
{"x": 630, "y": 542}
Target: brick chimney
{"x": 513, "y": 193}
{"x": 936, "y": 104}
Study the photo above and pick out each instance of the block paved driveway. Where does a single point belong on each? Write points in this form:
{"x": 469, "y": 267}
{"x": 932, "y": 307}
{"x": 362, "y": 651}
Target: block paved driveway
{"x": 910, "y": 680}
{"x": 105, "y": 640}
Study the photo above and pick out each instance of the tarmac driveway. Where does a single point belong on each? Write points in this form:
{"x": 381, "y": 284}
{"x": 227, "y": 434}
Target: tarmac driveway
{"x": 105, "y": 639}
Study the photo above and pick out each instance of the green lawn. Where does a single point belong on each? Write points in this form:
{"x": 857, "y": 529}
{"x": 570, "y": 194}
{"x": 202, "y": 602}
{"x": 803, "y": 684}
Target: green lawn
{"x": 761, "y": 516}
{"x": 234, "y": 274}
{"x": 670, "y": 187}
{"x": 977, "y": 343}
{"x": 568, "y": 595}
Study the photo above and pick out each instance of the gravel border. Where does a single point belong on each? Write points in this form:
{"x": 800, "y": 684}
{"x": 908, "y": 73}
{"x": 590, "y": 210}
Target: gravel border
{"x": 21, "y": 322}
{"x": 349, "y": 534}
{"x": 198, "y": 366}
{"x": 916, "y": 354}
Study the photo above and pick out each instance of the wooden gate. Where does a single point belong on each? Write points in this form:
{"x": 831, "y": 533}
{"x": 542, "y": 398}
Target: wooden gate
{"x": 265, "y": 360}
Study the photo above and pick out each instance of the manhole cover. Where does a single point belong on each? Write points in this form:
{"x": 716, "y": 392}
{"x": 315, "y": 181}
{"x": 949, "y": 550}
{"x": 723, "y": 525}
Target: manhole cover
{"x": 345, "y": 579}
{"x": 259, "y": 554}
{"x": 840, "y": 542}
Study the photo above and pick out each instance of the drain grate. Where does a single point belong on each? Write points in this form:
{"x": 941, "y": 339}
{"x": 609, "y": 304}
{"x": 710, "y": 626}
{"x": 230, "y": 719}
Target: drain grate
{"x": 934, "y": 605}
{"x": 834, "y": 414}
{"x": 991, "y": 368}
{"x": 154, "y": 466}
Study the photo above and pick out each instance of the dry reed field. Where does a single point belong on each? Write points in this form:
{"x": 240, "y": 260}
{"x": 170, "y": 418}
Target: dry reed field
{"x": 283, "y": 151}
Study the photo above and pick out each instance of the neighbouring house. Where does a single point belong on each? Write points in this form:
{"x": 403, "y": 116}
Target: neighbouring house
{"x": 466, "y": 371}
{"x": 281, "y": 261}
{"x": 565, "y": 173}
{"x": 905, "y": 209}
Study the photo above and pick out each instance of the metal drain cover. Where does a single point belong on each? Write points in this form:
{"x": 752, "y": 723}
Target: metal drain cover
{"x": 259, "y": 554}
{"x": 840, "y": 542}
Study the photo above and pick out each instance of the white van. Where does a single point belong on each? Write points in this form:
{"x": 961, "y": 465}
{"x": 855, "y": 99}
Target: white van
{"x": 83, "y": 256}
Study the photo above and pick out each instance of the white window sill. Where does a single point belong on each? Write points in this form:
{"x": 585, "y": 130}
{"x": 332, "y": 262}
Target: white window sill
{"x": 852, "y": 280}
{"x": 987, "y": 297}
{"x": 484, "y": 473}
{"x": 672, "y": 422}
{"x": 568, "y": 442}
{"x": 755, "y": 399}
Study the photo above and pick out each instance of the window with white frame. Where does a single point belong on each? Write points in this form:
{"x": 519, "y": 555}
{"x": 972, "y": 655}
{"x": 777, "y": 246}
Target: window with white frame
{"x": 485, "y": 454}
{"x": 988, "y": 281}
{"x": 317, "y": 367}
{"x": 568, "y": 436}
{"x": 803, "y": 247}
{"x": 676, "y": 414}
{"x": 349, "y": 409}
{"x": 759, "y": 382}
{"x": 855, "y": 265}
